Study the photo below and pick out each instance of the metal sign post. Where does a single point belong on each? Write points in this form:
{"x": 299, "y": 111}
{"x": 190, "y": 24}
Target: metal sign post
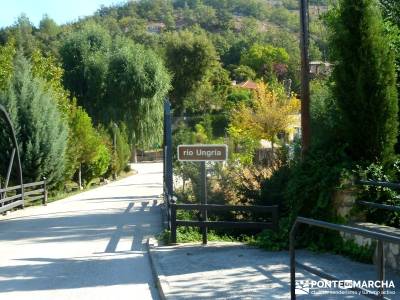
{"x": 203, "y": 175}
{"x": 167, "y": 158}
{"x": 168, "y": 147}
{"x": 202, "y": 154}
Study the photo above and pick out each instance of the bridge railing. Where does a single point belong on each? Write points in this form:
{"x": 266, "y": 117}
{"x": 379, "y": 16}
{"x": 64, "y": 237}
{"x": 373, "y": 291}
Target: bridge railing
{"x": 18, "y": 196}
{"x": 380, "y": 237}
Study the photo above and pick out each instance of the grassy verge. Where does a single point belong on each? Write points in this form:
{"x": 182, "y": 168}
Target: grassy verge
{"x": 191, "y": 235}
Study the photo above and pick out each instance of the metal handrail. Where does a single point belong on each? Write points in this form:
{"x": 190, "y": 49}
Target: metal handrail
{"x": 379, "y": 205}
{"x": 380, "y": 237}
{"x": 387, "y": 184}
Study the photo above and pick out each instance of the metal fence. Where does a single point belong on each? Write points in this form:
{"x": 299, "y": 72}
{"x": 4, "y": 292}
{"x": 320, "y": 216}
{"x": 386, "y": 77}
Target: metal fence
{"x": 380, "y": 237}
{"x": 385, "y": 184}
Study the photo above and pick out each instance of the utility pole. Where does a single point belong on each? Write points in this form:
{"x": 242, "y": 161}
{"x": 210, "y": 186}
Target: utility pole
{"x": 305, "y": 78}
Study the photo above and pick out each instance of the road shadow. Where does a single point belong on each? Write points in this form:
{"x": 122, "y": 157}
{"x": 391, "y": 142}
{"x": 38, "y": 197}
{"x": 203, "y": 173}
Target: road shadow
{"x": 140, "y": 219}
{"x": 87, "y": 246}
{"x": 143, "y": 198}
{"x": 44, "y": 273}
{"x": 237, "y": 272}
{"x": 83, "y": 225}
{"x": 137, "y": 228}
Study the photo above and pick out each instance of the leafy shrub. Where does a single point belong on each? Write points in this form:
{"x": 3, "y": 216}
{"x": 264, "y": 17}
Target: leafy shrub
{"x": 304, "y": 188}
{"x": 192, "y": 234}
{"x": 356, "y": 252}
{"x": 272, "y": 188}
{"x": 274, "y": 240}
{"x": 127, "y": 168}
{"x": 382, "y": 195}
{"x": 121, "y": 151}
{"x": 238, "y": 185}
{"x": 98, "y": 166}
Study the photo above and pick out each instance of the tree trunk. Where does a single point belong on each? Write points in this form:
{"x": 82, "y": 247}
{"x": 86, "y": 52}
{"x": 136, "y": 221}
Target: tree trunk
{"x": 80, "y": 176}
{"x": 134, "y": 154}
{"x": 272, "y": 154}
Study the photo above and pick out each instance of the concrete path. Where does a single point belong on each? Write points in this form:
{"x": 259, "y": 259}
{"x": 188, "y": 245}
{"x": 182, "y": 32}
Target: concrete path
{"x": 89, "y": 246}
{"x": 235, "y": 271}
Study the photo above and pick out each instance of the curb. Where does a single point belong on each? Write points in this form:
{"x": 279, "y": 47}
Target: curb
{"x": 159, "y": 277}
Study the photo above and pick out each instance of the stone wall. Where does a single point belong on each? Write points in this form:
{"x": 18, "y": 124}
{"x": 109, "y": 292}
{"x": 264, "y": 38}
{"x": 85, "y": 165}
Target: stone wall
{"x": 344, "y": 201}
{"x": 391, "y": 251}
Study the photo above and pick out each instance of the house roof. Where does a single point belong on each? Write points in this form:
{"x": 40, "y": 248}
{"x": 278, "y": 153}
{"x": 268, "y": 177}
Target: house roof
{"x": 320, "y": 63}
{"x": 156, "y": 24}
{"x": 251, "y": 85}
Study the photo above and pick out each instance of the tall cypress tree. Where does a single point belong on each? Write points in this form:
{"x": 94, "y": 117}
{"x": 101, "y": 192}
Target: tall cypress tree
{"x": 41, "y": 131}
{"x": 364, "y": 80}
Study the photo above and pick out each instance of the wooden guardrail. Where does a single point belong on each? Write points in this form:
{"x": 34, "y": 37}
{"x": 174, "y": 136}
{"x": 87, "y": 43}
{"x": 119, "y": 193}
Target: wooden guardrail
{"x": 18, "y": 196}
{"x": 204, "y": 224}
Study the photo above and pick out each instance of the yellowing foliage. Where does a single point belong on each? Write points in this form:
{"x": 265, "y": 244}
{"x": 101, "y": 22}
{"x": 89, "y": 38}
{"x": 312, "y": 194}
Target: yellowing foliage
{"x": 7, "y": 53}
{"x": 270, "y": 113}
{"x": 52, "y": 73}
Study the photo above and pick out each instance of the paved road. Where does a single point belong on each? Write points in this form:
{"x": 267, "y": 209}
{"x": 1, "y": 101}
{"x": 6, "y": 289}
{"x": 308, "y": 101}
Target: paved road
{"x": 89, "y": 246}
{"x": 233, "y": 271}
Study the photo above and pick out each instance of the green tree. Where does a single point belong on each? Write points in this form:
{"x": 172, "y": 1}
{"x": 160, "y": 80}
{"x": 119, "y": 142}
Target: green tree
{"x": 83, "y": 142}
{"x": 155, "y": 10}
{"x": 266, "y": 59}
{"x": 121, "y": 147}
{"x": 41, "y": 132}
{"x": 365, "y": 80}
{"x": 272, "y": 112}
{"x": 23, "y": 31}
{"x": 391, "y": 14}
{"x": 210, "y": 94}
{"x": 243, "y": 73}
{"x": 391, "y": 10}
{"x": 189, "y": 57}
{"x": 99, "y": 165}
{"x": 237, "y": 97}
{"x": 83, "y": 139}
{"x": 7, "y": 53}
{"x": 48, "y": 35}
{"x": 49, "y": 69}
{"x": 85, "y": 61}
{"x": 137, "y": 83}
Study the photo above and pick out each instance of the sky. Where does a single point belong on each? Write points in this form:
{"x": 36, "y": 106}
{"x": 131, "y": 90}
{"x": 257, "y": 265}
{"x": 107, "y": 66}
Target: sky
{"x": 62, "y": 11}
